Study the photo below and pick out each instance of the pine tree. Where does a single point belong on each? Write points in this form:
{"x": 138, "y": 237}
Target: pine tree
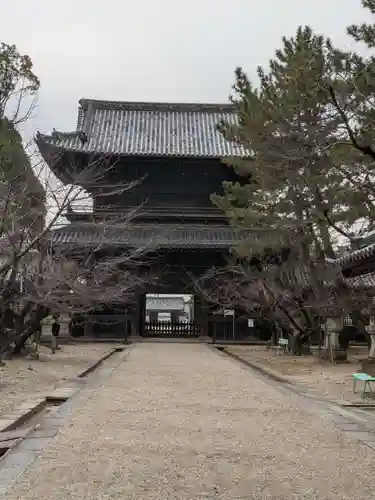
{"x": 365, "y": 32}
{"x": 22, "y": 197}
{"x": 353, "y": 96}
{"x": 293, "y": 190}
{"x": 289, "y": 127}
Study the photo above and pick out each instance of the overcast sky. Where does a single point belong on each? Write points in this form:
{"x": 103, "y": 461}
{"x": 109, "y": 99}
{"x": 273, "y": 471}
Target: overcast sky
{"x": 154, "y": 50}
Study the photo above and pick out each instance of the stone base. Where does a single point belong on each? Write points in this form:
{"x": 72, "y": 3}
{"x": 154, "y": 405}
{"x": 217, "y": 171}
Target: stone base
{"x": 306, "y": 350}
{"x": 339, "y": 355}
{"x": 368, "y": 366}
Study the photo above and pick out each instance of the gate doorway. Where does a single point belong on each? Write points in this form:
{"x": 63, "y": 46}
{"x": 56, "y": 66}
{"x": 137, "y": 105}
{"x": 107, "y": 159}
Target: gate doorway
{"x": 169, "y": 316}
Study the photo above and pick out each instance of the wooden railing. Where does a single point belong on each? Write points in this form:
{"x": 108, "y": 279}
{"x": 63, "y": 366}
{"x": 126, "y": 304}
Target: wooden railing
{"x": 145, "y": 213}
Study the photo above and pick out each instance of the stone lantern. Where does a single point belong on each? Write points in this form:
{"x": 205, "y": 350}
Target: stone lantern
{"x": 368, "y": 365}
{"x": 332, "y": 349}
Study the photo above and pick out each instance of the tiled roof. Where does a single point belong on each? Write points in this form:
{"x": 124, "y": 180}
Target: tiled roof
{"x": 366, "y": 239}
{"x": 356, "y": 256}
{"x": 363, "y": 281}
{"x": 148, "y": 129}
{"x": 163, "y": 236}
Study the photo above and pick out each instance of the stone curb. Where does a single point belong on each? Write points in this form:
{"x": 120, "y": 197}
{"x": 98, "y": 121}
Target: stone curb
{"x": 347, "y": 423}
{"x": 16, "y": 417}
{"x": 93, "y": 367}
{"x": 19, "y": 458}
{"x": 256, "y": 366}
{"x": 276, "y": 376}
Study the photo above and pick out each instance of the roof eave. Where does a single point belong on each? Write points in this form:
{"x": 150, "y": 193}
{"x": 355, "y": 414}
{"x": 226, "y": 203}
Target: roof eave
{"x": 50, "y": 154}
{"x": 147, "y": 248}
{"x": 48, "y": 145}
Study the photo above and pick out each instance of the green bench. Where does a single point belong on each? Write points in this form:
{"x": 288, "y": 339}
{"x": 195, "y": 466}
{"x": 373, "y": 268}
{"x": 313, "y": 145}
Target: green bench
{"x": 367, "y": 379}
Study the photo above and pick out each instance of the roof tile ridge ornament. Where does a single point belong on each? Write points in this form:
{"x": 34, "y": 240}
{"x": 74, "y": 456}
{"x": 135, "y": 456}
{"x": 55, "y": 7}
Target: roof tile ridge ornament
{"x": 88, "y": 114}
{"x": 57, "y": 135}
{"x": 181, "y": 107}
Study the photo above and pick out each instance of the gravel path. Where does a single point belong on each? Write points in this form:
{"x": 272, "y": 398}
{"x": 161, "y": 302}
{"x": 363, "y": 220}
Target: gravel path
{"x": 178, "y": 421}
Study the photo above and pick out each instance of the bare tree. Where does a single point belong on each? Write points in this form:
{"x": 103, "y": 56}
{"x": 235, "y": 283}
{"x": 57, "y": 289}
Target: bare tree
{"x": 78, "y": 279}
{"x": 295, "y": 296}
{"x": 69, "y": 278}
{"x": 35, "y": 275}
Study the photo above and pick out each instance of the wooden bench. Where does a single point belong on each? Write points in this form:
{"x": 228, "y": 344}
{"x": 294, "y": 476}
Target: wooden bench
{"x": 367, "y": 379}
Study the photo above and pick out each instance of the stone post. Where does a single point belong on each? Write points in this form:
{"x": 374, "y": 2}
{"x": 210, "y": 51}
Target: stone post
{"x": 64, "y": 325}
{"x": 332, "y": 349}
{"x": 46, "y": 328}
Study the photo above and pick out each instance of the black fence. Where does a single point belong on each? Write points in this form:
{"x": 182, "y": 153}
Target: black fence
{"x": 108, "y": 327}
{"x": 219, "y": 328}
{"x": 168, "y": 329}
{"x": 229, "y": 329}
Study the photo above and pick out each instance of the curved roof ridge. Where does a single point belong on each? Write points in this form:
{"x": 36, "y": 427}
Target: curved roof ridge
{"x": 157, "y": 106}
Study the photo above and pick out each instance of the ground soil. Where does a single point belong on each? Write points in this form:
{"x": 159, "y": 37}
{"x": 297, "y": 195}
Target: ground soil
{"x": 21, "y": 378}
{"x": 330, "y": 381}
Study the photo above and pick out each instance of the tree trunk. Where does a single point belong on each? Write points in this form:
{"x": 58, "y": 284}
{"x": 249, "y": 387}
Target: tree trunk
{"x": 29, "y": 329}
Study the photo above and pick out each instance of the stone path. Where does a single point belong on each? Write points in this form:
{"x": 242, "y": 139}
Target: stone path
{"x": 179, "y": 421}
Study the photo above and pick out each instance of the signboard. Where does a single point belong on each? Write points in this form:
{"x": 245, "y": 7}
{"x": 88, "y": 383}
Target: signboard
{"x": 165, "y": 304}
{"x": 250, "y": 323}
{"x": 228, "y": 312}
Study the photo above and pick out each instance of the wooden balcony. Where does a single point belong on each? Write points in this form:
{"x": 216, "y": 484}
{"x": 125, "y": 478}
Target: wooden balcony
{"x": 148, "y": 214}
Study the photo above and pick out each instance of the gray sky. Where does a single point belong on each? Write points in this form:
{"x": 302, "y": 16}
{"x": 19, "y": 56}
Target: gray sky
{"x": 154, "y": 50}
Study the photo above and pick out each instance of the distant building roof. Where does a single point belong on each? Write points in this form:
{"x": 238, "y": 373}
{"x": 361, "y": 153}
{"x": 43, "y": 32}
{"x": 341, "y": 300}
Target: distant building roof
{"x": 367, "y": 239}
{"x": 148, "y": 129}
{"x": 163, "y": 236}
{"x": 363, "y": 281}
{"x": 365, "y": 253}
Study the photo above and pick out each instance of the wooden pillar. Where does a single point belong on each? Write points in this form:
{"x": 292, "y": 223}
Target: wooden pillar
{"x": 141, "y": 313}
{"x": 197, "y": 312}
{"x": 204, "y": 318}
{"x": 153, "y": 316}
{"x": 135, "y": 316}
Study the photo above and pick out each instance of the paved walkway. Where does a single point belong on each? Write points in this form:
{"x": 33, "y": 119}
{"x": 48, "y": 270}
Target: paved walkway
{"x": 179, "y": 421}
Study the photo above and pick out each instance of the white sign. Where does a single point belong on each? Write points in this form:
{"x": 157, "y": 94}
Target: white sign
{"x": 228, "y": 312}
{"x": 250, "y": 323}
{"x": 165, "y": 304}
